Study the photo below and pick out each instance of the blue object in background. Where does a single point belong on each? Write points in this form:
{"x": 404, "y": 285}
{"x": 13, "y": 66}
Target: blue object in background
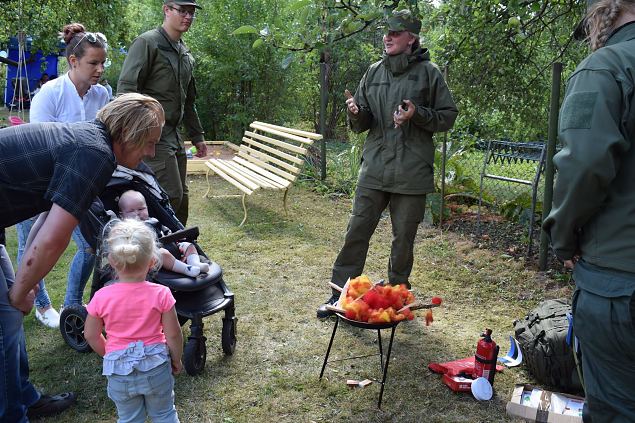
{"x": 37, "y": 64}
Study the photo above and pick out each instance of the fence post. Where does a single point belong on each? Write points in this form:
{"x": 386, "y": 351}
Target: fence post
{"x": 323, "y": 103}
{"x": 444, "y": 152}
{"x": 556, "y": 77}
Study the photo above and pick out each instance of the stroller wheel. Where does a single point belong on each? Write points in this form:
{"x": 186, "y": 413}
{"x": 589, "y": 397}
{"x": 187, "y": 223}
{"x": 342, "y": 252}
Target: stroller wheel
{"x": 228, "y": 338}
{"x": 194, "y": 356}
{"x": 72, "y": 322}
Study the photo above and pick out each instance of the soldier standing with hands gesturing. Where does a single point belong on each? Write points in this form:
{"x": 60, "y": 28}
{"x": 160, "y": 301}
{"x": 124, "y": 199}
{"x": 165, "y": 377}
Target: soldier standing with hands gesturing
{"x": 402, "y": 100}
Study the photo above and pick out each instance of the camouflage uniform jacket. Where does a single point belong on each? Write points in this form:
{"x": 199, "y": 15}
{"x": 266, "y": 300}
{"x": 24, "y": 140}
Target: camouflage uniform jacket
{"x": 401, "y": 160}
{"x": 163, "y": 69}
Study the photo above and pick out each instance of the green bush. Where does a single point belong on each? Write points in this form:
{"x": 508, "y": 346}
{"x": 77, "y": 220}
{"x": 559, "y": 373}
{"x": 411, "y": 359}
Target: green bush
{"x": 518, "y": 209}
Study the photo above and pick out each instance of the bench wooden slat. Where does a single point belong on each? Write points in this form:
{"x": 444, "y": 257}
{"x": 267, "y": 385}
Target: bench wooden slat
{"x": 219, "y": 166}
{"x": 299, "y": 132}
{"x": 269, "y": 175}
{"x": 282, "y": 133}
{"x": 285, "y": 145}
{"x": 224, "y": 165}
{"x": 270, "y": 159}
{"x": 252, "y": 176}
{"x": 255, "y": 160}
{"x": 273, "y": 151}
{"x": 228, "y": 178}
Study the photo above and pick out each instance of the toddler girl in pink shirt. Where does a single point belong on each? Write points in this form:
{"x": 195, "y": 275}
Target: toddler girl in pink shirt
{"x": 144, "y": 343}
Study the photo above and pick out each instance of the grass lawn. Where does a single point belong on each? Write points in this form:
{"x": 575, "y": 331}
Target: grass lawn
{"x": 279, "y": 267}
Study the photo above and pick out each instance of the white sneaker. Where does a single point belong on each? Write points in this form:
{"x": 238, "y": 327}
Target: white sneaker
{"x": 49, "y": 318}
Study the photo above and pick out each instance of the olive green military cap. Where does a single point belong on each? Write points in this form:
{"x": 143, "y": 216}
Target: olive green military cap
{"x": 182, "y": 3}
{"x": 402, "y": 20}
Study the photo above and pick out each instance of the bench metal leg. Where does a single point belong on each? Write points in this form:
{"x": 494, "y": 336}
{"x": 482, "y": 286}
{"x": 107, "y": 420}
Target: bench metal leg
{"x": 209, "y": 186}
{"x": 244, "y": 209}
{"x": 284, "y": 202}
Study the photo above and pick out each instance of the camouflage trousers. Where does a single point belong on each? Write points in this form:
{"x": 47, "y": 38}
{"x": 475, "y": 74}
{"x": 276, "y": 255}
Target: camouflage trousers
{"x": 170, "y": 168}
{"x": 406, "y": 213}
{"x": 604, "y": 323}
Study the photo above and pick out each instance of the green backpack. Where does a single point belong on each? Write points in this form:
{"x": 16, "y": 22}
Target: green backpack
{"x": 542, "y": 336}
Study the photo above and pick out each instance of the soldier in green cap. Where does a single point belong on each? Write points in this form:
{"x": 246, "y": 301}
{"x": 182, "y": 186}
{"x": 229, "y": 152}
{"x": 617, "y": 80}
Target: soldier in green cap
{"x": 401, "y": 101}
{"x": 159, "y": 64}
{"x": 592, "y": 221}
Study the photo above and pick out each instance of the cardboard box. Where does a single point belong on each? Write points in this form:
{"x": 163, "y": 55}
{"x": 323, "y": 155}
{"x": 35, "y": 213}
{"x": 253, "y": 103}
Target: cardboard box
{"x": 538, "y": 405}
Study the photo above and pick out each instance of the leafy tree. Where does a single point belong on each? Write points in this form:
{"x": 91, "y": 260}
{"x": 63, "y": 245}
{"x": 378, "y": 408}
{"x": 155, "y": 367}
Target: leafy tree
{"x": 43, "y": 20}
{"x": 499, "y": 55}
{"x": 498, "y": 52}
{"x": 332, "y": 33}
{"x": 236, "y": 82}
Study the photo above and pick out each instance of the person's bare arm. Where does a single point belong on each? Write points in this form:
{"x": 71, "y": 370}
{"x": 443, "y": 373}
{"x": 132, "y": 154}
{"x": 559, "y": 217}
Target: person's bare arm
{"x": 37, "y": 225}
{"x": 93, "y": 333}
{"x": 174, "y": 338}
{"x": 47, "y": 247}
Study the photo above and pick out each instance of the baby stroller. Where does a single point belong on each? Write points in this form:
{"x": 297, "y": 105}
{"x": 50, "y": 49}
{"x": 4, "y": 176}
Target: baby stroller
{"x": 196, "y": 297}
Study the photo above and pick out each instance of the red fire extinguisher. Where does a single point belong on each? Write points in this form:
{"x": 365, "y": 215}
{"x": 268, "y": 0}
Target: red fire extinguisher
{"x": 485, "y": 358}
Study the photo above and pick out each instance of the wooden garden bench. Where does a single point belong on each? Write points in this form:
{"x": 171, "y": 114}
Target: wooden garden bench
{"x": 269, "y": 158}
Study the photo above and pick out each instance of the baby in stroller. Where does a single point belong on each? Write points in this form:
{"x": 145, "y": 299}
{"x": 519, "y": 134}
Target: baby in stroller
{"x": 196, "y": 296}
{"x": 132, "y": 204}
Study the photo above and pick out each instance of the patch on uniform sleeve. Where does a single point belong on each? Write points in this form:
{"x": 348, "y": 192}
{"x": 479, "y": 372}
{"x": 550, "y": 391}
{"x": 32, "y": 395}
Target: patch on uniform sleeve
{"x": 577, "y": 110}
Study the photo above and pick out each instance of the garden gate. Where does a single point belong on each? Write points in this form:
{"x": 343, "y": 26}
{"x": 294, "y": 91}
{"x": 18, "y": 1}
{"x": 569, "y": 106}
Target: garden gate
{"x": 507, "y": 154}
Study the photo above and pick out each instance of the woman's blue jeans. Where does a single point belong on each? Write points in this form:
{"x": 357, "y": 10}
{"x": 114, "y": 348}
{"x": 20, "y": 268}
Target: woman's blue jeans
{"x": 42, "y": 299}
{"x": 16, "y": 392}
{"x": 81, "y": 268}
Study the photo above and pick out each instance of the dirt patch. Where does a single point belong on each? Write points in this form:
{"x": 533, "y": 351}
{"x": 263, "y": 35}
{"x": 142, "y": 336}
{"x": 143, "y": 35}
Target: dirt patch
{"x": 493, "y": 232}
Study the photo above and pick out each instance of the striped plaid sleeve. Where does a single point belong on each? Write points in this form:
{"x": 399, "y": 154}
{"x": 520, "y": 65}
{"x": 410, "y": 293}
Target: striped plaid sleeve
{"x": 79, "y": 176}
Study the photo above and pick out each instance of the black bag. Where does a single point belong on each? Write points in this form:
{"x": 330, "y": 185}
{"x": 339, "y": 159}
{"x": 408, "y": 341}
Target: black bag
{"x": 542, "y": 336}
